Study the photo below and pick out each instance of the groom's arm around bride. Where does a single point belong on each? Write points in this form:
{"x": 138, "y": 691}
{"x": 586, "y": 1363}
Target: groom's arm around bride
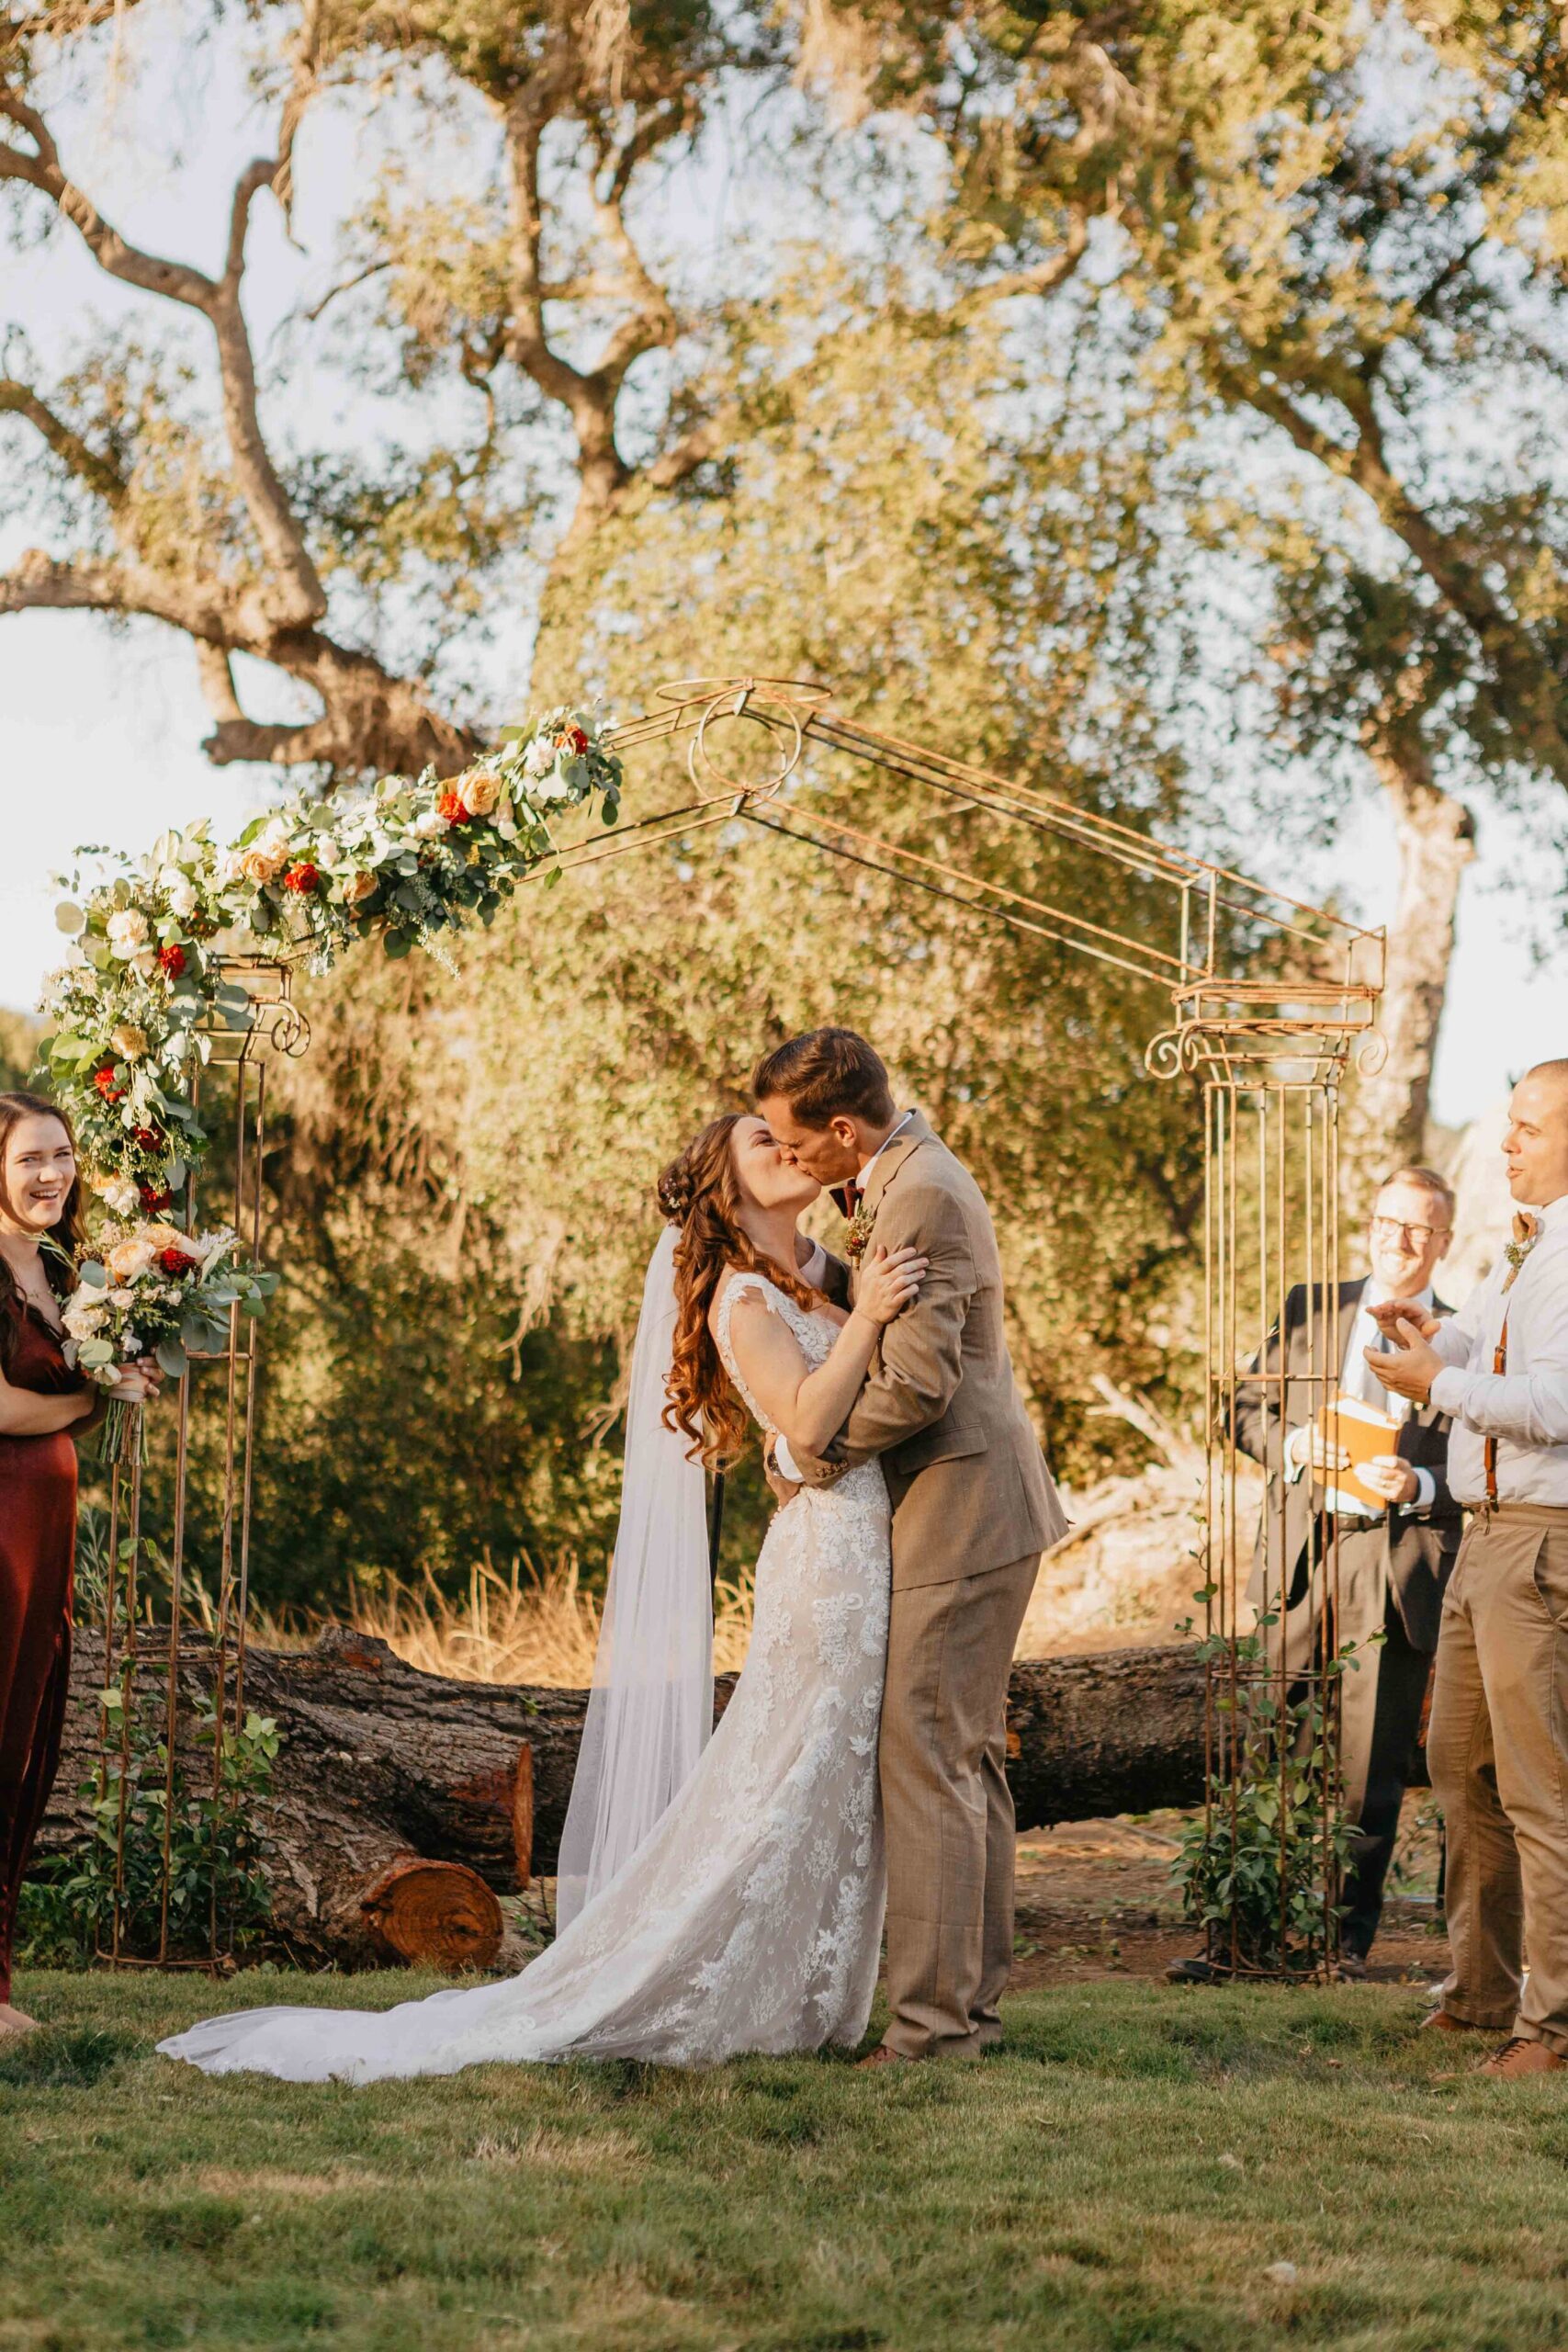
{"x": 973, "y": 1506}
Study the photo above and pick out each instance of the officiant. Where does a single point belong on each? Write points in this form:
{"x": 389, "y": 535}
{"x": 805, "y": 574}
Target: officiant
{"x": 1396, "y": 1544}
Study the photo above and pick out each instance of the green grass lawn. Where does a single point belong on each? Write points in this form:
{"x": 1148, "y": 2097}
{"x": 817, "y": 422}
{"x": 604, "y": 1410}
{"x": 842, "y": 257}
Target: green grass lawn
{"x": 1131, "y": 2171}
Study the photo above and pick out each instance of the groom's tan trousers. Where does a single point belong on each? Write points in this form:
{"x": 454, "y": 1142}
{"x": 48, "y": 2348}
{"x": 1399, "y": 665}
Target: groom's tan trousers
{"x": 947, "y": 1811}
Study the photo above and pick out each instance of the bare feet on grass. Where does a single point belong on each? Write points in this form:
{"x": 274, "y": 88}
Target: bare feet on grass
{"x": 15, "y": 2020}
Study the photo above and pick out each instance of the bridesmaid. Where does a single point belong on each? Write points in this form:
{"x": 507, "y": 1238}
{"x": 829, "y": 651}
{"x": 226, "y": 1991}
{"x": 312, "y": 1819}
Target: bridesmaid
{"x": 43, "y": 1405}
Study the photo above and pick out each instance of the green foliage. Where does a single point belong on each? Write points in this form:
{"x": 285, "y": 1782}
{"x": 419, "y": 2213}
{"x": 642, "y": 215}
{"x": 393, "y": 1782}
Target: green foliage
{"x": 214, "y": 1867}
{"x": 1260, "y": 1868}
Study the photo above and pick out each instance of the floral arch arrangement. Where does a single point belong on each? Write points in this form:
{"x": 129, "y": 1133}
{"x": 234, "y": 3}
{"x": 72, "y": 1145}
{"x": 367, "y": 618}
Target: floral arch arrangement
{"x": 406, "y": 863}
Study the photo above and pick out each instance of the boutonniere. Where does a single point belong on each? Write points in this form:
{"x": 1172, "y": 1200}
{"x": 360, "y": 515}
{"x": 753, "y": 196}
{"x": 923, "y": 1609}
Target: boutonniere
{"x": 860, "y": 1224}
{"x": 1526, "y": 1233}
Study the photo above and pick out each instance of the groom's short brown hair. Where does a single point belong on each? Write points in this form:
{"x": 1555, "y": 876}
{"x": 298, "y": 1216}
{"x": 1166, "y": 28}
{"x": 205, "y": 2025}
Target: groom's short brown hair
{"x": 827, "y": 1074}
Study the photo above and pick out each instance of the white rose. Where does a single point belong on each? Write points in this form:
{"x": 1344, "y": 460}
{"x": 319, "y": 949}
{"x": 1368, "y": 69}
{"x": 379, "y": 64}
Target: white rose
{"x": 539, "y": 757}
{"x": 553, "y": 787}
{"x": 430, "y": 827}
{"x": 480, "y": 791}
{"x": 127, "y": 932}
{"x": 119, "y": 1193}
{"x": 130, "y": 1042}
{"x": 83, "y": 1320}
{"x": 180, "y": 892}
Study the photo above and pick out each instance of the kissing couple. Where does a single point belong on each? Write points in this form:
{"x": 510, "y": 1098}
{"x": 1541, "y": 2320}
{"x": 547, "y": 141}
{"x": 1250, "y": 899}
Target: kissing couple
{"x": 724, "y": 1891}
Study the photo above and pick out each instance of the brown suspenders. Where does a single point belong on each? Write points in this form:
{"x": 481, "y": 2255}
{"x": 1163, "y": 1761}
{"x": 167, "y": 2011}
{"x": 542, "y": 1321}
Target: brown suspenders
{"x": 1489, "y": 1450}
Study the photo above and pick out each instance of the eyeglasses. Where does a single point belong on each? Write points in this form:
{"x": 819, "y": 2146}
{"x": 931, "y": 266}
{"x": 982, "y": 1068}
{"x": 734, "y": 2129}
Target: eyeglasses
{"x": 1393, "y": 1229}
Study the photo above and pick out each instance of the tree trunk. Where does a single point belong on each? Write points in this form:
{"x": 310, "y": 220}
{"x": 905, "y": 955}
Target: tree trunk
{"x": 381, "y": 1763}
{"x": 1387, "y": 1114}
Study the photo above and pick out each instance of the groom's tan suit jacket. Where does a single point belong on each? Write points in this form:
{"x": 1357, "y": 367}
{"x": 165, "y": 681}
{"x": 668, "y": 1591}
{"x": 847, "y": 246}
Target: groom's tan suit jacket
{"x": 973, "y": 1508}
{"x": 940, "y": 1409}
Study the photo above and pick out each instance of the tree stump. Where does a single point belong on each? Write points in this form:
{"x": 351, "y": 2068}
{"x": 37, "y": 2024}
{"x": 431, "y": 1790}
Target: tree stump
{"x": 434, "y": 1915}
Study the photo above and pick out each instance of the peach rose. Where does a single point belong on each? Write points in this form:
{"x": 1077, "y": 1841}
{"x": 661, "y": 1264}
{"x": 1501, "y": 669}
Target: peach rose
{"x": 359, "y": 887}
{"x": 129, "y": 1260}
{"x": 480, "y": 791}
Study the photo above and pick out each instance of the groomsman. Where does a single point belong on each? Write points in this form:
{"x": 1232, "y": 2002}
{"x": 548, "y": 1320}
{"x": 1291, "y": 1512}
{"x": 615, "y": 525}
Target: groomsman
{"x": 1499, "y": 1746}
{"x": 1393, "y": 1559}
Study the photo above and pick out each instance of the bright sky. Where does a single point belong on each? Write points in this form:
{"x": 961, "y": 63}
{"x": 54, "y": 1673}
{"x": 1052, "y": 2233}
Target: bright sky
{"x": 99, "y": 733}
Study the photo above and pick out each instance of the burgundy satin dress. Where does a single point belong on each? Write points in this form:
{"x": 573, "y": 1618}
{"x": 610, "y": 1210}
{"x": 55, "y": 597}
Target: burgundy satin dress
{"x": 38, "y": 1541}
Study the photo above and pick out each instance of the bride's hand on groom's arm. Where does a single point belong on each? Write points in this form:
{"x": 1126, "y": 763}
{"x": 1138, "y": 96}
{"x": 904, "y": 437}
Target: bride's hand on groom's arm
{"x": 890, "y": 1281}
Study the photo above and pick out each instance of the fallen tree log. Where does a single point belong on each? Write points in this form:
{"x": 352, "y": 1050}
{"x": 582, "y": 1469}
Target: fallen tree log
{"x": 380, "y": 1762}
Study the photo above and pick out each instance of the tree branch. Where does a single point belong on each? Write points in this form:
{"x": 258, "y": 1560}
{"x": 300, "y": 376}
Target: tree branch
{"x": 96, "y": 473}
{"x": 1529, "y": 689}
{"x": 176, "y": 281}
{"x": 39, "y": 583}
{"x": 1041, "y": 278}
{"x": 296, "y": 590}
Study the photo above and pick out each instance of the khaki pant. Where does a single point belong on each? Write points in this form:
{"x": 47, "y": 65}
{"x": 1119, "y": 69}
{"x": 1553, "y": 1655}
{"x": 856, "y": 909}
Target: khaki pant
{"x": 947, "y": 1811}
{"x": 1498, "y": 1748}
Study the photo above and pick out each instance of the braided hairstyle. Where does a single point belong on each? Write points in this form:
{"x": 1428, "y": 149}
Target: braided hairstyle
{"x": 699, "y": 1193}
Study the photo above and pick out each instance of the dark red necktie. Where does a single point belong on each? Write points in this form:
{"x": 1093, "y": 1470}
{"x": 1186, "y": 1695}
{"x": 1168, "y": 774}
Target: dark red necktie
{"x": 846, "y": 1200}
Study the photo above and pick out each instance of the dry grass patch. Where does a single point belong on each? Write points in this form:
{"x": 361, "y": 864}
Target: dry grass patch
{"x": 590, "y": 2154}
{"x": 216, "y": 2180}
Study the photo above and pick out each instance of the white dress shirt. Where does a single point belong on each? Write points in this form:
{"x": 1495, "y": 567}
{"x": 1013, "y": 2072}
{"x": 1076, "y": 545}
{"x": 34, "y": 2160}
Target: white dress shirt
{"x": 1358, "y": 1379}
{"x": 1525, "y": 1407}
{"x": 813, "y": 1271}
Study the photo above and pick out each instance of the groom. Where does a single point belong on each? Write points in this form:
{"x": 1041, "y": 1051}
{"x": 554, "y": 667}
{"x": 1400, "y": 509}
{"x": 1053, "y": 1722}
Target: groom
{"x": 974, "y": 1507}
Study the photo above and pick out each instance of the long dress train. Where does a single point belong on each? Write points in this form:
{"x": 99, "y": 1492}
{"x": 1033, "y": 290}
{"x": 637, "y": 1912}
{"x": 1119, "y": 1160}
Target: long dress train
{"x": 750, "y": 1918}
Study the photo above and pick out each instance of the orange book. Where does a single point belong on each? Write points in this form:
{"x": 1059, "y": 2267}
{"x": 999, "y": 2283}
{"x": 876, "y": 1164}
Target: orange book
{"x": 1363, "y": 1431}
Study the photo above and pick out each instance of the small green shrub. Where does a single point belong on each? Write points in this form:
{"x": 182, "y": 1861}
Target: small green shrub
{"x": 1261, "y": 1870}
{"x": 215, "y": 1849}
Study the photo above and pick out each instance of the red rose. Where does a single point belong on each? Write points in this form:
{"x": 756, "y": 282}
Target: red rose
{"x": 151, "y": 1139}
{"x": 172, "y": 959}
{"x": 104, "y": 1080}
{"x": 154, "y": 1197}
{"x": 576, "y": 739}
{"x": 450, "y": 806}
{"x": 302, "y": 878}
{"x": 177, "y": 1261}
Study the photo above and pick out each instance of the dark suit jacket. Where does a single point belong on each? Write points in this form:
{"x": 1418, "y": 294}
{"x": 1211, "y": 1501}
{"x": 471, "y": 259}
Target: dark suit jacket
{"x": 1421, "y": 1543}
{"x": 836, "y": 1281}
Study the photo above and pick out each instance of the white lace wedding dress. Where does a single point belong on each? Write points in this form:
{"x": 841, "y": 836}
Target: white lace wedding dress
{"x": 750, "y": 1918}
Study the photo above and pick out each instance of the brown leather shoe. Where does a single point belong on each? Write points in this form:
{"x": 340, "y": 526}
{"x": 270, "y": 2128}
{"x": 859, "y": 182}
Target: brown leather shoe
{"x": 1523, "y": 2056}
{"x": 1440, "y": 2021}
{"x": 883, "y": 2057}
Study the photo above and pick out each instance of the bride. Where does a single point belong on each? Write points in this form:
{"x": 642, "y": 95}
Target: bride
{"x": 715, "y": 1895}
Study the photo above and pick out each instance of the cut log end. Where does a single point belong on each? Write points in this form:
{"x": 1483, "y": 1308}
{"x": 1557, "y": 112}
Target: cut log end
{"x": 434, "y": 1915}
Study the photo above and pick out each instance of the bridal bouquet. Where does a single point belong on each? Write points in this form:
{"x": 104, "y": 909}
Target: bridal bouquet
{"x": 152, "y": 1290}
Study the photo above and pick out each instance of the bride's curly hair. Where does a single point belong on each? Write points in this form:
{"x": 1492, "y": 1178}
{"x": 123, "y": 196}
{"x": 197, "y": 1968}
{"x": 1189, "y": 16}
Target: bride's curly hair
{"x": 700, "y": 1193}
